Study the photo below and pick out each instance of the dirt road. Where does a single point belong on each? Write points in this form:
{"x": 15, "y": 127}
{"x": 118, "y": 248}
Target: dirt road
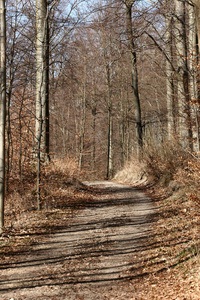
{"x": 95, "y": 257}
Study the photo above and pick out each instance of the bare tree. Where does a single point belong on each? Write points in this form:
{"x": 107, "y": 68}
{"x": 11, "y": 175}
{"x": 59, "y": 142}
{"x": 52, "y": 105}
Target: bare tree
{"x": 184, "y": 113}
{"x": 136, "y": 100}
{"x": 42, "y": 82}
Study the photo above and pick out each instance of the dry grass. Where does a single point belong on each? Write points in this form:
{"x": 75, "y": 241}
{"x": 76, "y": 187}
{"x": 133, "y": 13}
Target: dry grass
{"x": 163, "y": 160}
{"x": 55, "y": 178}
{"x": 67, "y": 166}
{"x": 62, "y": 196}
{"x": 133, "y": 172}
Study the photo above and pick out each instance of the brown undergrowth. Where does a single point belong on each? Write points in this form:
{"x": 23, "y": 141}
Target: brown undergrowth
{"x": 171, "y": 258}
{"x": 62, "y": 195}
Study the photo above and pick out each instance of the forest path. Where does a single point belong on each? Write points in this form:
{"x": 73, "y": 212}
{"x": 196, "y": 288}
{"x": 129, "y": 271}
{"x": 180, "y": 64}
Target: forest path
{"x": 93, "y": 258}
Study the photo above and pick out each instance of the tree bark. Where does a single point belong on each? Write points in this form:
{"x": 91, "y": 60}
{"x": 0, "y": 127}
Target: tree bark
{"x": 42, "y": 86}
{"x": 192, "y": 44}
{"x": 42, "y": 79}
{"x": 2, "y": 113}
{"x": 184, "y": 113}
{"x": 197, "y": 18}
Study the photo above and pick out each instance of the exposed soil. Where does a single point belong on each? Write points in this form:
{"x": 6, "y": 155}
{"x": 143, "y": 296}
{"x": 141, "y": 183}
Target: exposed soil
{"x": 97, "y": 256}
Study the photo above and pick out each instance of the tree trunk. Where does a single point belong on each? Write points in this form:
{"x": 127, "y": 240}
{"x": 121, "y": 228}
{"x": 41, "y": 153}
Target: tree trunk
{"x": 197, "y": 27}
{"x": 124, "y": 122}
{"x": 169, "y": 77}
{"x": 8, "y": 128}
{"x": 193, "y": 77}
{"x": 42, "y": 89}
{"x": 42, "y": 79}
{"x": 83, "y": 120}
{"x": 110, "y": 126}
{"x": 136, "y": 100}
{"x": 122, "y": 128}
{"x": 197, "y": 17}
{"x": 2, "y": 113}
{"x": 93, "y": 154}
{"x": 184, "y": 114}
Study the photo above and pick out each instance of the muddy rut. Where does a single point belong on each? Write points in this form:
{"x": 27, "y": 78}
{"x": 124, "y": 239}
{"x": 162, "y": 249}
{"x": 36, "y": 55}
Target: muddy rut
{"x": 95, "y": 257}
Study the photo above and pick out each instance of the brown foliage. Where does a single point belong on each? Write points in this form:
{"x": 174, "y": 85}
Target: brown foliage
{"x": 164, "y": 160}
{"x": 60, "y": 189}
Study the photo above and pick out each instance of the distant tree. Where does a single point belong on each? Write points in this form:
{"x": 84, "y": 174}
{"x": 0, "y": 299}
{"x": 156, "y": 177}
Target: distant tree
{"x": 83, "y": 117}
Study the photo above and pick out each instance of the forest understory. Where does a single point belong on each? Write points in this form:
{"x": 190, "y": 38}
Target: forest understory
{"x": 170, "y": 264}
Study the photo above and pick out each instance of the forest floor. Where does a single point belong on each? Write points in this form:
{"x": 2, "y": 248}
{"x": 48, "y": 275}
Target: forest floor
{"x": 124, "y": 243}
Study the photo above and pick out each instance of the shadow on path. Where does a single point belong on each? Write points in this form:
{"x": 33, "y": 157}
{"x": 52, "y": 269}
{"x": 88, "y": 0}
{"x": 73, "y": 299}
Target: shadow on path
{"x": 104, "y": 244}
